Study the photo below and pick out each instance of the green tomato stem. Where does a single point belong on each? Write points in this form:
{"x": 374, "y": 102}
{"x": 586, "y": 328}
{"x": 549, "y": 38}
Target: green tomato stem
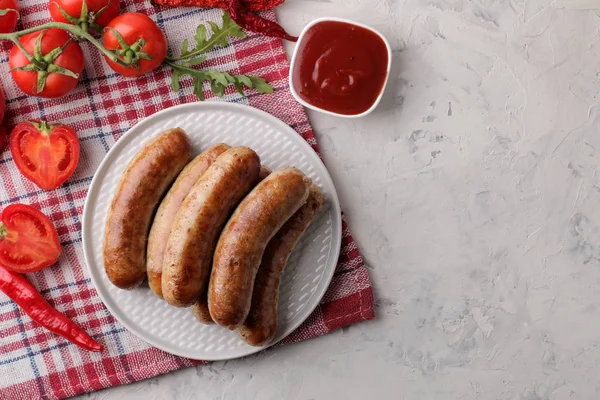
{"x": 75, "y": 30}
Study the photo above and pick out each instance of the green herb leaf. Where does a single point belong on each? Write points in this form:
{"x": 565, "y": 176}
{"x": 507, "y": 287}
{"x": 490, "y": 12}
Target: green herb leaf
{"x": 218, "y": 77}
{"x": 261, "y": 85}
{"x": 198, "y": 89}
{"x": 194, "y": 61}
{"x": 175, "y": 80}
{"x": 245, "y": 80}
{"x": 240, "y": 87}
{"x": 229, "y": 77}
{"x": 217, "y": 80}
{"x": 217, "y": 88}
{"x": 218, "y": 38}
{"x": 184, "y": 48}
{"x": 200, "y": 35}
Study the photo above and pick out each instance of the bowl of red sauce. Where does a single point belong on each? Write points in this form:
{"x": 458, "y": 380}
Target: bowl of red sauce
{"x": 340, "y": 67}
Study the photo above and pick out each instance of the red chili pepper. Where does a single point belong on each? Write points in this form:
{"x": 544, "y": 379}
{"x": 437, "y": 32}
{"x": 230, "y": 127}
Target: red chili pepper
{"x": 260, "y": 5}
{"x": 252, "y": 5}
{"x": 254, "y": 23}
{"x": 240, "y": 11}
{"x": 22, "y": 292}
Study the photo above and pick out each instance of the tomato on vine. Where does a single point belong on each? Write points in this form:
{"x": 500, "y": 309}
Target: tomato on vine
{"x": 137, "y": 41}
{"x": 46, "y": 63}
{"x": 9, "y": 14}
{"x": 88, "y": 14}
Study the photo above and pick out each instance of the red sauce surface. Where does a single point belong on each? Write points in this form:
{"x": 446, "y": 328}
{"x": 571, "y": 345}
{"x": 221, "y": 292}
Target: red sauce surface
{"x": 340, "y": 67}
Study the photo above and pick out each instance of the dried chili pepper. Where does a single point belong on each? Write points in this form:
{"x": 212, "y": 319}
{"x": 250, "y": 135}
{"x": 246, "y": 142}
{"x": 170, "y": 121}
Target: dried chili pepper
{"x": 22, "y": 292}
{"x": 240, "y": 12}
{"x": 251, "y": 5}
{"x": 261, "y": 5}
{"x": 254, "y": 23}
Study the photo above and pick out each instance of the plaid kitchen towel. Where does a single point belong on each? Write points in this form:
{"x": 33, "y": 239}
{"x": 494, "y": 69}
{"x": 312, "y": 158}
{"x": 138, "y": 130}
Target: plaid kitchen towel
{"x": 35, "y": 363}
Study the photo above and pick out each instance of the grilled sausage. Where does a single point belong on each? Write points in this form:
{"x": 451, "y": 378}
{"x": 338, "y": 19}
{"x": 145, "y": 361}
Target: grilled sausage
{"x": 141, "y": 188}
{"x": 200, "y": 308}
{"x": 261, "y": 324}
{"x": 243, "y": 240}
{"x": 196, "y": 228}
{"x": 161, "y": 227}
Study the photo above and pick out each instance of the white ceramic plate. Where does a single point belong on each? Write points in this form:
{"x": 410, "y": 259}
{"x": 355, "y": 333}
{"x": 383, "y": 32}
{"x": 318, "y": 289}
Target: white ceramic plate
{"x": 310, "y": 267}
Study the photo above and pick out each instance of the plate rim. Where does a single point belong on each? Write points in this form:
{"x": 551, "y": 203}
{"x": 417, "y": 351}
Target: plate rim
{"x": 285, "y": 129}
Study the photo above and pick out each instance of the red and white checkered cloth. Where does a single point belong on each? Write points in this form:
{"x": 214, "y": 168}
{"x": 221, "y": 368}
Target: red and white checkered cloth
{"x": 35, "y": 363}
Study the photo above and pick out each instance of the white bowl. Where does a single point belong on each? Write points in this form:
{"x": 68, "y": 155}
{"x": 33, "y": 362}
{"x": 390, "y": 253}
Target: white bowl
{"x": 312, "y": 107}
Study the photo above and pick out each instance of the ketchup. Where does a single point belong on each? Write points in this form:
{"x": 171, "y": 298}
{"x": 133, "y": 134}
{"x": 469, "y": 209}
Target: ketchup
{"x": 340, "y": 67}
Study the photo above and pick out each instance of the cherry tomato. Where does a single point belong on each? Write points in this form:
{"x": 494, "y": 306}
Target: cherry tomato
{"x": 69, "y": 62}
{"x": 46, "y": 155}
{"x": 108, "y": 9}
{"x": 144, "y": 39}
{"x": 10, "y": 11}
{"x": 28, "y": 239}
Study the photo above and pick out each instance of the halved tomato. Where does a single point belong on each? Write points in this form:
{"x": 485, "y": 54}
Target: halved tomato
{"x": 28, "y": 239}
{"x": 46, "y": 155}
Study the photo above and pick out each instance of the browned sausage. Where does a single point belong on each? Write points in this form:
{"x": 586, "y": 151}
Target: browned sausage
{"x": 243, "y": 240}
{"x": 261, "y": 324}
{"x": 200, "y": 308}
{"x": 197, "y": 225}
{"x": 143, "y": 184}
{"x": 161, "y": 227}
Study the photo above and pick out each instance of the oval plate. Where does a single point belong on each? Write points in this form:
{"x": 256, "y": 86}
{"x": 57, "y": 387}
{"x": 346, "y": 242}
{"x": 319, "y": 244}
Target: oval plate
{"x": 310, "y": 267}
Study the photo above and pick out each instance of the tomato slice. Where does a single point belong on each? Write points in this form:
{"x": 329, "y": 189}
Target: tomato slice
{"x": 46, "y": 155}
{"x": 28, "y": 239}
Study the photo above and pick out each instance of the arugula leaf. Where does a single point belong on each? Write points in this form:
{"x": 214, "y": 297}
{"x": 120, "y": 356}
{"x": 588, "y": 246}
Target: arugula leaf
{"x": 245, "y": 80}
{"x": 194, "y": 61}
{"x": 261, "y": 85}
{"x": 217, "y": 80}
{"x": 184, "y": 48}
{"x": 218, "y": 38}
{"x": 175, "y": 80}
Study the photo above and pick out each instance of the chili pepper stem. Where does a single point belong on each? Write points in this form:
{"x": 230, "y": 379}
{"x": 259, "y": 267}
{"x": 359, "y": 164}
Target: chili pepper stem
{"x": 75, "y": 30}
